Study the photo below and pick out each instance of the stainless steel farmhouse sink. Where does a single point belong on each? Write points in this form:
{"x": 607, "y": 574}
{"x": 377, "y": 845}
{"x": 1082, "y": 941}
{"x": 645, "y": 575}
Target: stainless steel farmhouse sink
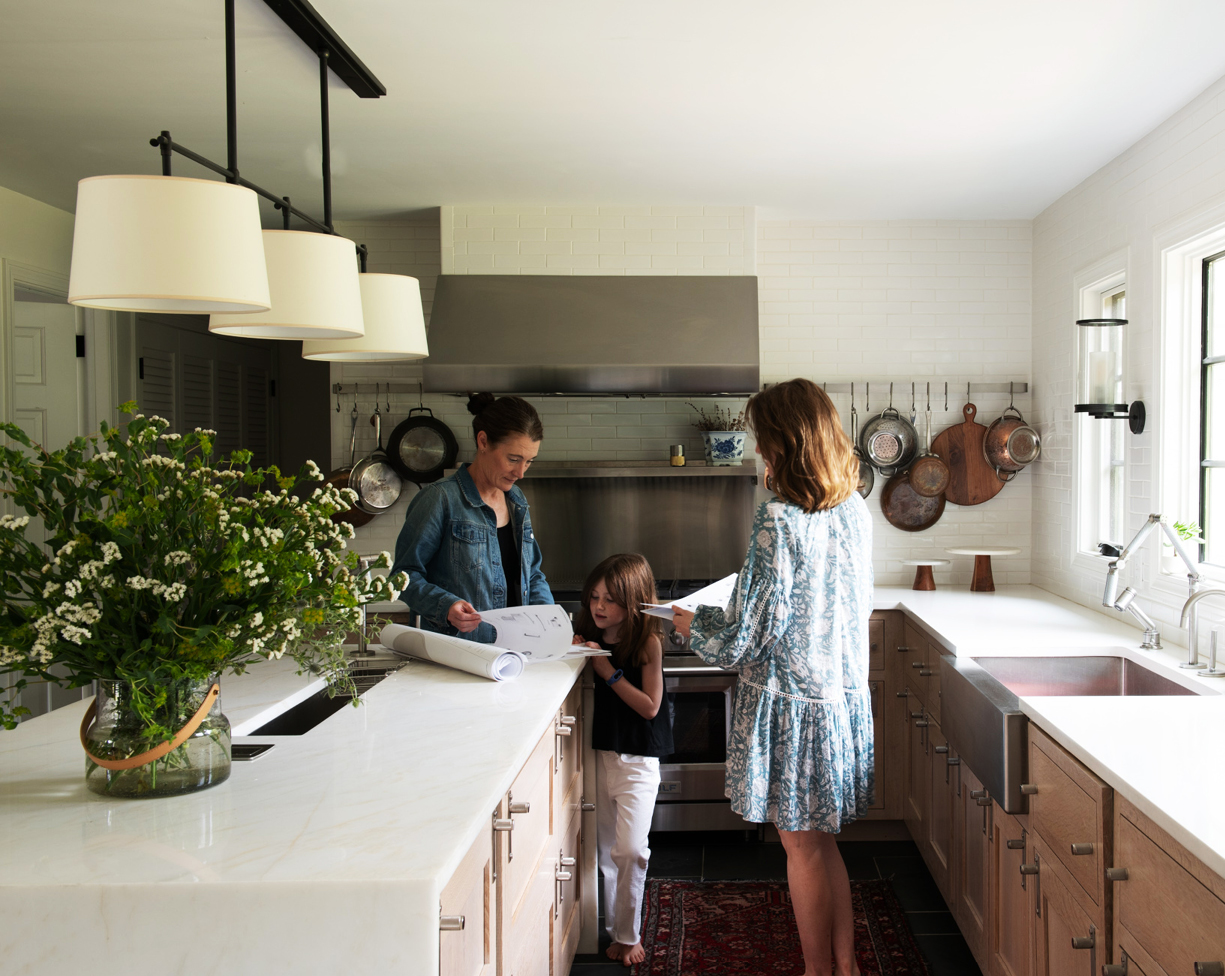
{"x": 982, "y": 715}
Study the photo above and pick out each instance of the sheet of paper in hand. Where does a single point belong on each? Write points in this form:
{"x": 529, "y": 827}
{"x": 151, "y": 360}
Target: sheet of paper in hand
{"x": 718, "y": 594}
{"x": 540, "y": 633}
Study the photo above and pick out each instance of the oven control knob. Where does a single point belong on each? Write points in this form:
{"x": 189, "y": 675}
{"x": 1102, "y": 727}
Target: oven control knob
{"x": 676, "y": 638}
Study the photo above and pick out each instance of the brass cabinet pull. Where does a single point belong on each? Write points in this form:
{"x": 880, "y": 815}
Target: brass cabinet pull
{"x": 1029, "y": 789}
{"x": 450, "y": 923}
{"x": 1082, "y": 849}
{"x": 1028, "y": 869}
{"x": 1083, "y": 942}
{"x": 1116, "y": 874}
{"x": 522, "y": 806}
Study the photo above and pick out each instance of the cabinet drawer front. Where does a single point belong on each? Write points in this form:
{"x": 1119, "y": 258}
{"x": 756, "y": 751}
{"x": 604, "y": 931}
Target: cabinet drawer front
{"x": 1072, "y": 806}
{"x": 524, "y": 846}
{"x": 1173, "y": 917}
{"x": 469, "y": 893}
{"x": 876, "y": 689}
{"x": 567, "y": 895}
{"x": 568, "y": 759}
{"x": 876, "y": 643}
{"x": 1061, "y": 919}
{"x": 528, "y": 939}
{"x": 1012, "y": 902}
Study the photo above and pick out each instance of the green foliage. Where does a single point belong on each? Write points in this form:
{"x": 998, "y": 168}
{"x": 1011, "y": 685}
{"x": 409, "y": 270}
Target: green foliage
{"x": 1188, "y": 531}
{"x": 162, "y": 565}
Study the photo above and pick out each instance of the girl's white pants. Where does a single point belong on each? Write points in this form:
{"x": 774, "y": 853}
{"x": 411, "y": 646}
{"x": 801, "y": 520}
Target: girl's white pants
{"x": 626, "y": 788}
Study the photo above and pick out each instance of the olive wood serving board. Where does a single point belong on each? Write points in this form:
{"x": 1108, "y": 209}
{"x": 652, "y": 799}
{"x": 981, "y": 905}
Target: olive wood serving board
{"x": 972, "y": 480}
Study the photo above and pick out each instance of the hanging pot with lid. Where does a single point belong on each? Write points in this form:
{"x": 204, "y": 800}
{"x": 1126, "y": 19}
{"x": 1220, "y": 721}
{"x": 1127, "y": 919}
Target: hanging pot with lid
{"x": 1010, "y": 444}
{"x": 373, "y": 478}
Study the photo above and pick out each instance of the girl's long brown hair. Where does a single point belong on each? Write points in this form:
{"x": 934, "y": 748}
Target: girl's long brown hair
{"x": 798, "y": 429}
{"x": 628, "y": 579}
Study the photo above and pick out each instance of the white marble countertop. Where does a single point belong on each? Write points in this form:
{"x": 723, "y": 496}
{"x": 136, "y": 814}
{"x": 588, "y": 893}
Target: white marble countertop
{"x": 1161, "y": 753}
{"x": 328, "y": 851}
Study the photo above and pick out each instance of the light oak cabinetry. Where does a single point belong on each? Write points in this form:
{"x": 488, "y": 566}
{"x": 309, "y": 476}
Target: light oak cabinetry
{"x": 970, "y": 887}
{"x": 513, "y": 907}
{"x": 1010, "y": 910}
{"x": 1169, "y": 909}
{"x": 884, "y": 683}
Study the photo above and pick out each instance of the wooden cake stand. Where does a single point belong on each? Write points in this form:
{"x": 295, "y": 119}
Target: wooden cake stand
{"x": 923, "y": 579}
{"x": 983, "y": 582}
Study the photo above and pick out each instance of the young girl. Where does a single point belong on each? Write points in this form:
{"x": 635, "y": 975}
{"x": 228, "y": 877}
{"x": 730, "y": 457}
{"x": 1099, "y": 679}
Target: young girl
{"x": 631, "y": 731}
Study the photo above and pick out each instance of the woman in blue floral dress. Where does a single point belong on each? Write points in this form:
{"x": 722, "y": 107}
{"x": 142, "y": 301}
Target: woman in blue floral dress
{"x": 800, "y": 753}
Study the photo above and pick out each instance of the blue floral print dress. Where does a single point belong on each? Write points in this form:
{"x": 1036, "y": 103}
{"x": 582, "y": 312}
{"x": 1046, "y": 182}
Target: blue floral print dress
{"x": 800, "y": 753}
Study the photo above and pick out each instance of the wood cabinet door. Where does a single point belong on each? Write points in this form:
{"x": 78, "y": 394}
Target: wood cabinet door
{"x": 469, "y": 896}
{"x": 1011, "y": 923}
{"x": 876, "y": 643}
{"x": 918, "y": 780}
{"x": 973, "y": 831}
{"x": 1067, "y": 942}
{"x": 876, "y": 686}
{"x": 568, "y": 759}
{"x": 523, "y": 847}
{"x": 941, "y": 786}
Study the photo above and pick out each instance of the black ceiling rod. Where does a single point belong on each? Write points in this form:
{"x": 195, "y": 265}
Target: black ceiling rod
{"x": 317, "y": 34}
{"x": 231, "y": 95}
{"x": 325, "y": 131}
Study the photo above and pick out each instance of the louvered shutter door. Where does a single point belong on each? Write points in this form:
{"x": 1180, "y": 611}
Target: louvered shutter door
{"x": 255, "y": 414}
{"x": 229, "y": 407}
{"x": 197, "y": 393}
{"x": 157, "y": 385}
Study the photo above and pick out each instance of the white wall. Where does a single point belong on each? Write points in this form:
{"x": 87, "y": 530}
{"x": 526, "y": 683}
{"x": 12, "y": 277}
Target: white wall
{"x": 874, "y": 301}
{"x": 907, "y": 301}
{"x": 1173, "y": 176}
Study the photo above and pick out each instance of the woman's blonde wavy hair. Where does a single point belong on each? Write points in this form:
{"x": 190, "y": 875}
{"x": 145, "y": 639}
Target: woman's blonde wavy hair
{"x": 797, "y": 427}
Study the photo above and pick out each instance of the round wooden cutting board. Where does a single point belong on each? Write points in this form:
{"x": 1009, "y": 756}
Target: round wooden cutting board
{"x": 972, "y": 480}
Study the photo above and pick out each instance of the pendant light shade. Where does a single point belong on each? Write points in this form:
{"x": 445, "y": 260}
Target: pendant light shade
{"x": 167, "y": 244}
{"x": 315, "y": 294}
{"x": 395, "y": 324}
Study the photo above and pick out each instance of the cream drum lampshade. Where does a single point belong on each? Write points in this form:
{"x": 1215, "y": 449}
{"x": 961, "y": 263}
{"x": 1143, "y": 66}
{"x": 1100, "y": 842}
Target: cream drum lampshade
{"x": 395, "y": 324}
{"x": 167, "y": 244}
{"x": 315, "y": 294}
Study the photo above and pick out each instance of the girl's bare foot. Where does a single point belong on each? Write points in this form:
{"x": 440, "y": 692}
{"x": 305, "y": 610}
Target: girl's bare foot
{"x": 614, "y": 951}
{"x": 632, "y": 955}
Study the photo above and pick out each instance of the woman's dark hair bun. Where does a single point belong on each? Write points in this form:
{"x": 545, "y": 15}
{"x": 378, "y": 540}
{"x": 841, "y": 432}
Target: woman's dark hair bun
{"x": 479, "y": 401}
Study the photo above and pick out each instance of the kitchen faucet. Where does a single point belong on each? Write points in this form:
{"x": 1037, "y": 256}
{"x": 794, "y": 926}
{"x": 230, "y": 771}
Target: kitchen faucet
{"x": 1190, "y": 620}
{"x": 1126, "y": 600}
{"x": 363, "y": 566}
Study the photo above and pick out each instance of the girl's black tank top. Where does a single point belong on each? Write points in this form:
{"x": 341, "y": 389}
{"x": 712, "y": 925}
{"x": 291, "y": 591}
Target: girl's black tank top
{"x": 618, "y": 728}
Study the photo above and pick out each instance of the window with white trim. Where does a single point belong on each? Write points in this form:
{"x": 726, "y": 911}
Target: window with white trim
{"x": 1101, "y": 479}
{"x": 1211, "y": 418}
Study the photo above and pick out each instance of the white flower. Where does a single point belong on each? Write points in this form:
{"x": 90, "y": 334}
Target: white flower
{"x": 257, "y": 619}
{"x": 110, "y": 552}
{"x": 72, "y": 587}
{"x": 312, "y": 469}
{"x": 140, "y": 583}
{"x": 49, "y": 589}
{"x": 177, "y": 558}
{"x": 13, "y": 522}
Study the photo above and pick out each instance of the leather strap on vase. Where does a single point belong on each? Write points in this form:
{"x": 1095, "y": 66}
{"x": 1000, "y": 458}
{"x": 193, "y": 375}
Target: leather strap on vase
{"x": 153, "y": 755}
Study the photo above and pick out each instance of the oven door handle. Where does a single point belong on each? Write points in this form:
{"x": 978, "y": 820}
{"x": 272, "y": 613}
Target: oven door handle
{"x": 713, "y": 671}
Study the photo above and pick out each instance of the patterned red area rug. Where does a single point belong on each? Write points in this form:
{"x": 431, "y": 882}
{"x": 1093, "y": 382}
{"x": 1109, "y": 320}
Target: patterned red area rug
{"x": 747, "y": 928}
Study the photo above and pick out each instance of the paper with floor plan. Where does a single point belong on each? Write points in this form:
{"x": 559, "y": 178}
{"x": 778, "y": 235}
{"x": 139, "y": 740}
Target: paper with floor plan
{"x": 718, "y": 594}
{"x": 485, "y": 660}
{"x": 540, "y": 633}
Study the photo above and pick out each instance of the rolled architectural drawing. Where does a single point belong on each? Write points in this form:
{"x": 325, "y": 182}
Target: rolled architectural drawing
{"x": 484, "y": 660}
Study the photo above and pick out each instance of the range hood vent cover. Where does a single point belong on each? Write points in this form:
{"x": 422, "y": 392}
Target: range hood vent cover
{"x": 583, "y": 334}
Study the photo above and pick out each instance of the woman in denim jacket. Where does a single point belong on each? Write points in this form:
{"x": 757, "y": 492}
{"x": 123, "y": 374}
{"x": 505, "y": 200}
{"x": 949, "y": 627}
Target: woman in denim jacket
{"x": 467, "y": 542}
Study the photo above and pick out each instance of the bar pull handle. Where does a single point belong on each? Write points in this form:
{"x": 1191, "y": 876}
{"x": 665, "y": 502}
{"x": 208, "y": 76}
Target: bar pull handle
{"x": 916, "y": 714}
{"x": 941, "y": 750}
{"x": 450, "y": 923}
{"x": 1015, "y": 845}
{"x": 1116, "y": 874}
{"x": 563, "y": 730}
{"x": 1083, "y": 942}
{"x": 522, "y": 806}
{"x": 569, "y": 720}
{"x": 977, "y": 794}
{"x": 508, "y": 824}
{"x": 903, "y": 649}
{"x": 584, "y": 805}
{"x": 1088, "y": 942}
{"x": 925, "y": 673}
{"x": 922, "y": 723}
{"x": 1210, "y": 969}
{"x": 561, "y": 875}
{"x": 1028, "y": 869}
{"x": 1111, "y": 969}
{"x": 1029, "y": 789}
{"x": 1082, "y": 849}
{"x": 953, "y": 760}
{"x": 983, "y": 801}
{"x": 904, "y": 693}
{"x": 917, "y": 665}
{"x": 568, "y": 862}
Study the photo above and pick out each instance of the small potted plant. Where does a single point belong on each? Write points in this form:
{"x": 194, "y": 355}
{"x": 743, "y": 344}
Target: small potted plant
{"x": 1191, "y": 536}
{"x": 723, "y": 432}
{"x": 163, "y": 569}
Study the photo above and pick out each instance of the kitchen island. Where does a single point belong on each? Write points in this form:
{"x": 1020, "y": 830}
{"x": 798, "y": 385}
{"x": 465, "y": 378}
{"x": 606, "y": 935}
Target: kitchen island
{"x": 326, "y": 855}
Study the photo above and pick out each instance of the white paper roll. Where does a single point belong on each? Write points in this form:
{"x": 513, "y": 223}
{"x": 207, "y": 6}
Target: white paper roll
{"x": 452, "y": 652}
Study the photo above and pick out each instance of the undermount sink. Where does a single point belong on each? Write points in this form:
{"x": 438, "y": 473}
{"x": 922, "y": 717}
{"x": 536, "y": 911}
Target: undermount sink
{"x": 309, "y": 712}
{"x": 981, "y": 708}
{"x": 1095, "y": 676}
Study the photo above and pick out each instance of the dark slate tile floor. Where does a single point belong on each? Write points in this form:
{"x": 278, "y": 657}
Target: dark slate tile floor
{"x": 732, "y": 856}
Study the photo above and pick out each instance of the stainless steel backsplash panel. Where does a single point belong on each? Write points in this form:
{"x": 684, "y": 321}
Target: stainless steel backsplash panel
{"x": 688, "y": 528}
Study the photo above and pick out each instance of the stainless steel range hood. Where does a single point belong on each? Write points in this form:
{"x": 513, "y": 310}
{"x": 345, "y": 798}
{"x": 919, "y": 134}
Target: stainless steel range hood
{"x": 583, "y": 334}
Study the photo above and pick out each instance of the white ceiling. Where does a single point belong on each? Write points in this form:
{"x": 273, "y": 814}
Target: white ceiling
{"x": 832, "y": 109}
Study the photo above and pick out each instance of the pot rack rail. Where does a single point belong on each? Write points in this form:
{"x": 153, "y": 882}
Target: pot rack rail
{"x": 919, "y": 390}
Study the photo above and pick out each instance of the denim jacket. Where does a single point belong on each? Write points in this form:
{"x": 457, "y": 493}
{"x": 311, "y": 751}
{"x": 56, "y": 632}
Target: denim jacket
{"x": 449, "y": 548}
